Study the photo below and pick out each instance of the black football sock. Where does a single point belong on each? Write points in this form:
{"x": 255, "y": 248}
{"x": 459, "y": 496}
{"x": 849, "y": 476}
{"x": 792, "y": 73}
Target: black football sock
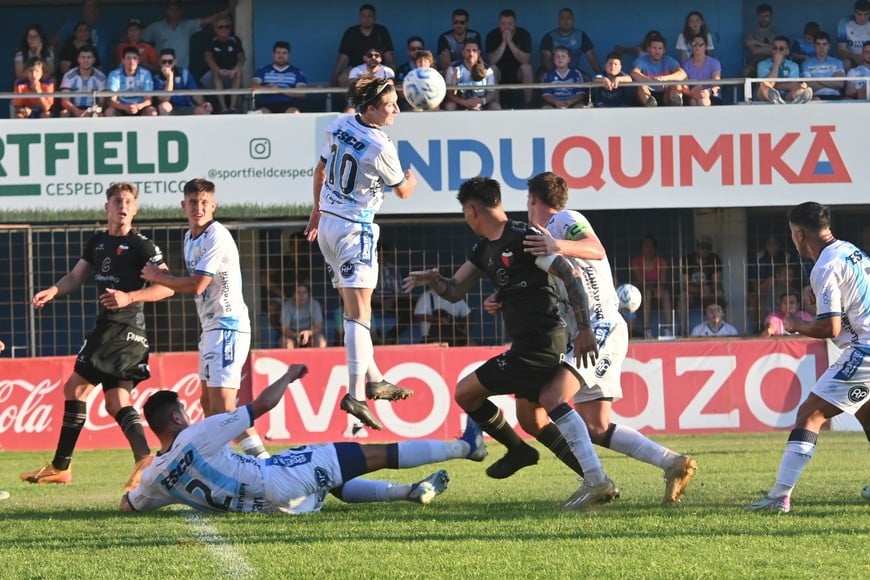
{"x": 73, "y": 421}
{"x": 555, "y": 442}
{"x": 131, "y": 424}
{"x": 492, "y": 421}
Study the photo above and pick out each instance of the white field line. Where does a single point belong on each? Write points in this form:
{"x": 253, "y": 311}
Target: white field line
{"x": 230, "y": 560}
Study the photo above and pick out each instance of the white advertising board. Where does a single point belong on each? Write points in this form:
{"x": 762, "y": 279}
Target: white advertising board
{"x": 733, "y": 156}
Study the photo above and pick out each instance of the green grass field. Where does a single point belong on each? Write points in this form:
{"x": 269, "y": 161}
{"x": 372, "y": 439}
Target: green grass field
{"x": 479, "y": 528}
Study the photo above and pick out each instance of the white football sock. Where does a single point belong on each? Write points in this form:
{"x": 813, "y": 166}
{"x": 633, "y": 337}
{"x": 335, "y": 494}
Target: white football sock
{"x": 574, "y": 431}
{"x": 796, "y": 457}
{"x": 374, "y": 374}
{"x": 630, "y": 442}
{"x": 359, "y": 490}
{"x": 426, "y": 451}
{"x": 360, "y": 353}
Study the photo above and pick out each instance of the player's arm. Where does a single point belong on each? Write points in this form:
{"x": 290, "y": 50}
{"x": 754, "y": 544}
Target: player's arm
{"x": 585, "y": 347}
{"x": 585, "y": 244}
{"x": 272, "y": 394}
{"x": 406, "y": 188}
{"x": 194, "y": 284}
{"x": 827, "y": 326}
{"x": 452, "y": 289}
{"x": 314, "y": 218}
{"x": 69, "y": 283}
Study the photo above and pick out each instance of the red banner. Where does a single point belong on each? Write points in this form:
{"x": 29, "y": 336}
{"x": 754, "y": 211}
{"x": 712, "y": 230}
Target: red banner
{"x": 669, "y": 387}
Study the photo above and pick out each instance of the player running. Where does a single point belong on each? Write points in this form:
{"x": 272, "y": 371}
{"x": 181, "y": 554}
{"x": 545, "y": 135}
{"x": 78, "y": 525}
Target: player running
{"x": 357, "y": 160}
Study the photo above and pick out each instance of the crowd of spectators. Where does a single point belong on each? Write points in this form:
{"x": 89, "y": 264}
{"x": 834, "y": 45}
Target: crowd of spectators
{"x": 80, "y": 56}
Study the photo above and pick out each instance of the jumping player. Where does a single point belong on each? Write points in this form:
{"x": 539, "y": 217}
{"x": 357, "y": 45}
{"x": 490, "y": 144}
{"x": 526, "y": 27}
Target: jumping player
{"x": 840, "y": 279}
{"x": 357, "y": 160}
{"x": 196, "y": 467}
{"x": 115, "y": 353}
{"x": 215, "y": 280}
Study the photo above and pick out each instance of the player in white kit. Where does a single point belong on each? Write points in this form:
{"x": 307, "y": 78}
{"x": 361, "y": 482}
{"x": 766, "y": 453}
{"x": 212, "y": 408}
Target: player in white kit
{"x": 196, "y": 467}
{"x": 570, "y": 234}
{"x": 357, "y": 161}
{"x": 841, "y": 284}
{"x": 215, "y": 279}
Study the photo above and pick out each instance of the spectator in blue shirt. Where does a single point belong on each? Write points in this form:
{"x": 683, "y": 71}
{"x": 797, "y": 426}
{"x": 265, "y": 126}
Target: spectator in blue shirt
{"x": 557, "y": 96}
{"x": 655, "y": 65}
{"x": 779, "y": 66}
{"x": 171, "y": 77}
{"x": 823, "y": 65}
{"x": 130, "y": 77}
{"x": 280, "y": 74}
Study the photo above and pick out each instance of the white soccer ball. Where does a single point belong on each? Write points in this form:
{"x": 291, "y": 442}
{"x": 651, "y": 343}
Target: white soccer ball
{"x": 865, "y": 492}
{"x": 424, "y": 89}
{"x": 629, "y": 297}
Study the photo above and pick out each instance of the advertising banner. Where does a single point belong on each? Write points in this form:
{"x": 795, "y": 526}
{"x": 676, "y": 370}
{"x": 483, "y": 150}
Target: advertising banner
{"x": 736, "y": 156}
{"x": 678, "y": 387}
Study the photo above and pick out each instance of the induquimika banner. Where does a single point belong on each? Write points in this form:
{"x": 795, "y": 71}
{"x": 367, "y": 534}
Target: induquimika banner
{"x": 734, "y": 156}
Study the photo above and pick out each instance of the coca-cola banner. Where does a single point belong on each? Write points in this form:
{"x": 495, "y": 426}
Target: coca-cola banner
{"x": 669, "y": 387}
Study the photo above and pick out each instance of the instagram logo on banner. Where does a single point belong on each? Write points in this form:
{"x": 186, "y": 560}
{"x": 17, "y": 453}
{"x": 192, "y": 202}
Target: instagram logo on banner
{"x": 260, "y": 148}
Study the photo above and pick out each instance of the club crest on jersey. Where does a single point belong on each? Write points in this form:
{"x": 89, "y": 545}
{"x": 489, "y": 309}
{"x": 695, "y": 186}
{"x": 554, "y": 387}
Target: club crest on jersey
{"x": 121, "y": 248}
{"x": 507, "y": 258}
{"x": 346, "y": 270}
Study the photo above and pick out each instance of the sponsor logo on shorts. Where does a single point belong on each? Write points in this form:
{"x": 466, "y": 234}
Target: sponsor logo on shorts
{"x": 602, "y": 366}
{"x": 133, "y": 337}
{"x": 346, "y": 270}
{"x": 290, "y": 459}
{"x": 858, "y": 393}
{"x": 850, "y": 366}
{"x": 322, "y": 477}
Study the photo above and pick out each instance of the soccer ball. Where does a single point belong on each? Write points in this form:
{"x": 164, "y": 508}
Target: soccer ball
{"x": 865, "y": 492}
{"x": 629, "y": 297}
{"x": 424, "y": 89}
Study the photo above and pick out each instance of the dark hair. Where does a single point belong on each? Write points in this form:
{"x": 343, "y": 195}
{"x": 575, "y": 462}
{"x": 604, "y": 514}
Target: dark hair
{"x": 417, "y": 39}
{"x": 790, "y": 292}
{"x": 810, "y": 216}
{"x": 369, "y": 91}
{"x": 550, "y": 188}
{"x": 688, "y": 31}
{"x": 782, "y": 38}
{"x": 507, "y": 12}
{"x": 87, "y": 48}
{"x": 762, "y": 8}
{"x": 24, "y": 48}
{"x": 281, "y": 44}
{"x": 568, "y": 10}
{"x": 368, "y": 7}
{"x": 812, "y": 27}
{"x": 198, "y": 185}
{"x": 866, "y": 43}
{"x": 483, "y": 190}
{"x": 169, "y": 51}
{"x": 34, "y": 61}
{"x": 613, "y": 56}
{"x": 158, "y": 410}
{"x": 821, "y": 35}
{"x": 130, "y": 49}
{"x": 862, "y": 5}
{"x": 122, "y": 186}
{"x": 692, "y": 36}
{"x": 653, "y": 36}
{"x": 461, "y": 12}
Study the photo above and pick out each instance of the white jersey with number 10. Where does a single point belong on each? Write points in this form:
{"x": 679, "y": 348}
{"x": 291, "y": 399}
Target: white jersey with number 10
{"x": 360, "y": 160}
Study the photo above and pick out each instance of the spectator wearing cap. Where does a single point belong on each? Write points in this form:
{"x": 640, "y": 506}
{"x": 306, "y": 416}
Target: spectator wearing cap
{"x": 279, "y": 75}
{"x": 133, "y": 78}
{"x": 174, "y": 32}
{"x": 147, "y": 53}
{"x": 171, "y": 77}
{"x": 224, "y": 58}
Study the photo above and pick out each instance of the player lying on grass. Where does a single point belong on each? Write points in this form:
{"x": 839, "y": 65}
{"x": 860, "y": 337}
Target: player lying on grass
{"x": 196, "y": 467}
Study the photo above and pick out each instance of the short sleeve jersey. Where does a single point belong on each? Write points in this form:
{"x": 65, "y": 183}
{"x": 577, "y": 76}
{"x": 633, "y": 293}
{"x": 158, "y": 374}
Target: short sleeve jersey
{"x": 841, "y": 283}
{"x": 201, "y": 471}
{"x": 73, "y": 81}
{"x": 577, "y": 41}
{"x": 789, "y": 69}
{"x": 360, "y": 160}
{"x": 813, "y": 67}
{"x": 304, "y": 318}
{"x": 183, "y": 81}
{"x": 458, "y": 74}
{"x": 528, "y": 299}
{"x": 214, "y": 254}
{"x": 225, "y": 52}
{"x": 117, "y": 263}
{"x": 556, "y": 81}
{"x": 448, "y": 42}
{"x": 704, "y": 329}
{"x": 287, "y": 77}
{"x": 596, "y": 278}
{"x": 859, "y": 71}
{"x": 852, "y": 34}
{"x": 354, "y": 43}
{"x": 120, "y": 81}
{"x": 665, "y": 66}
{"x": 509, "y": 65}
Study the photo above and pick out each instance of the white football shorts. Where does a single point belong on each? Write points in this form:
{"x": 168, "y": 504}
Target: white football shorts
{"x": 222, "y": 354}
{"x": 298, "y": 480}
{"x": 603, "y": 380}
{"x": 846, "y": 383}
{"x": 349, "y": 249}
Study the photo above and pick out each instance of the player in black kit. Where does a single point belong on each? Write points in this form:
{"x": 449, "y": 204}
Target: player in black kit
{"x": 534, "y": 367}
{"x": 115, "y": 353}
